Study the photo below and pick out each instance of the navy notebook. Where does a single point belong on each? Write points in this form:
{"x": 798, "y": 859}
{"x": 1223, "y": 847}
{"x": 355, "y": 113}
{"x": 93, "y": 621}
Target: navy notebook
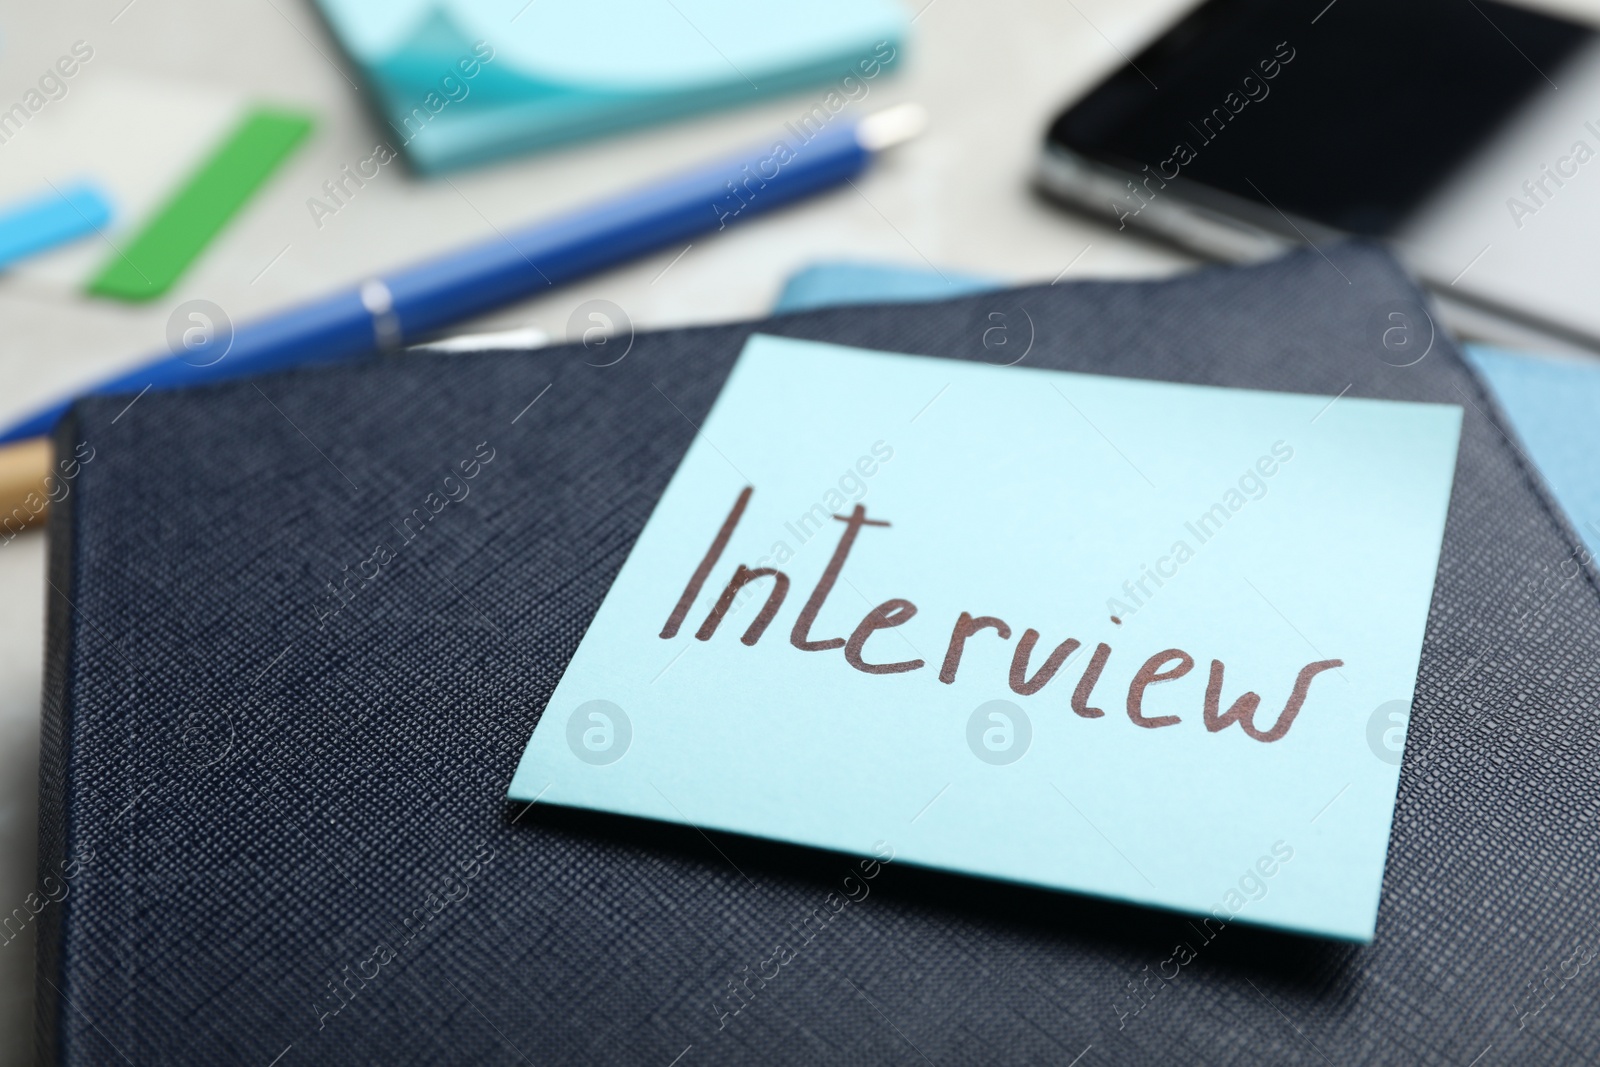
{"x": 272, "y": 817}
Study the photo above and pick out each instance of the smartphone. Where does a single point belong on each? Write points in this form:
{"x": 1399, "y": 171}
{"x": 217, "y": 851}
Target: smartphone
{"x": 1461, "y": 131}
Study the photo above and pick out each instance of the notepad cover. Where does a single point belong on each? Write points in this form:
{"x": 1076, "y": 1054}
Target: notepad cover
{"x": 271, "y": 793}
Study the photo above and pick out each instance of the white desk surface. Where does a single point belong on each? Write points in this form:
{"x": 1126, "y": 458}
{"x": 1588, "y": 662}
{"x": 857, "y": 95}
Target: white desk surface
{"x": 991, "y": 75}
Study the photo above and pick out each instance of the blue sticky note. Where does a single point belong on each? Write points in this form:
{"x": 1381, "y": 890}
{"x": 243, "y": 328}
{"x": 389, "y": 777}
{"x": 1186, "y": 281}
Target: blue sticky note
{"x": 463, "y": 81}
{"x": 51, "y": 218}
{"x": 984, "y": 611}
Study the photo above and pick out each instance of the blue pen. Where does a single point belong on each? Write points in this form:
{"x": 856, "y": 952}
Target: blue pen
{"x": 396, "y": 309}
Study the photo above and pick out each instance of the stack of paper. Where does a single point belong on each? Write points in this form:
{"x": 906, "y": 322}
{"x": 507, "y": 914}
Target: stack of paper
{"x": 466, "y": 80}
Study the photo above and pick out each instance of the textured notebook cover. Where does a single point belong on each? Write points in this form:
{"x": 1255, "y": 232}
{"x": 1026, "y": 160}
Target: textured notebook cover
{"x": 272, "y": 814}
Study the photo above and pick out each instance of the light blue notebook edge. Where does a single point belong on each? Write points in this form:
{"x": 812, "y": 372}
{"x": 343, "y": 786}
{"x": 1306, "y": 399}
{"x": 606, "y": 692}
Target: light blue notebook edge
{"x": 1548, "y": 402}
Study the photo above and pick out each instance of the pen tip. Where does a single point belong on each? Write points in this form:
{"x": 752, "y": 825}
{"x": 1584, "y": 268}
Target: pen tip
{"x": 891, "y": 126}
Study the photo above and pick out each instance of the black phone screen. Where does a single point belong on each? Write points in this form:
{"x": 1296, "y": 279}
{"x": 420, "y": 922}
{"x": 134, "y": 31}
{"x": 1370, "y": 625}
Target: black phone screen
{"x": 1346, "y": 113}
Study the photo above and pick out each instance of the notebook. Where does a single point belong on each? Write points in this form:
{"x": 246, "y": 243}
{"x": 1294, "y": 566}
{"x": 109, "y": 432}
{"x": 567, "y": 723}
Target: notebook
{"x": 462, "y": 81}
{"x": 272, "y": 821}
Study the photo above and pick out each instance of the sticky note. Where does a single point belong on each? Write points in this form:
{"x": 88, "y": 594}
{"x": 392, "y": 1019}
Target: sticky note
{"x": 57, "y": 215}
{"x": 1147, "y": 641}
{"x": 153, "y": 259}
{"x": 138, "y": 138}
{"x": 462, "y": 81}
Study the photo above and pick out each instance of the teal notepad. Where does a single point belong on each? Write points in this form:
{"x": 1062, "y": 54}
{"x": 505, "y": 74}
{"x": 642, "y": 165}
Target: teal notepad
{"x": 460, "y": 81}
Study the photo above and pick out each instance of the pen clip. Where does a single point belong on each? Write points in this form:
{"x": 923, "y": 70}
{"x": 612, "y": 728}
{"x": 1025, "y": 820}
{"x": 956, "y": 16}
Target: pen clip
{"x": 379, "y": 302}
